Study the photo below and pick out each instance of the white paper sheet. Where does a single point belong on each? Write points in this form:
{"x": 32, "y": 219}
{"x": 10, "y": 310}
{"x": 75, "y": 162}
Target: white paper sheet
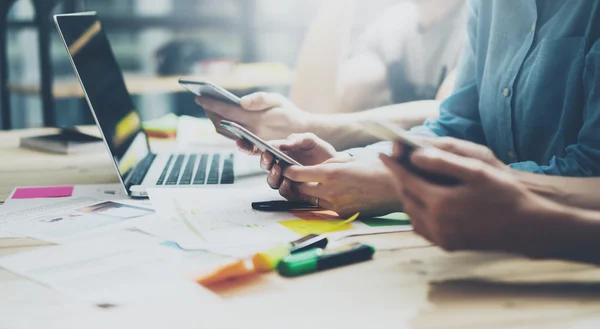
{"x": 112, "y": 192}
{"x": 60, "y": 221}
{"x": 116, "y": 269}
{"x": 216, "y": 218}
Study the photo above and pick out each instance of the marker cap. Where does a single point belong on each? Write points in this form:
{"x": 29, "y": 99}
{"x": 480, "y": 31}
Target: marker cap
{"x": 268, "y": 260}
{"x": 299, "y": 264}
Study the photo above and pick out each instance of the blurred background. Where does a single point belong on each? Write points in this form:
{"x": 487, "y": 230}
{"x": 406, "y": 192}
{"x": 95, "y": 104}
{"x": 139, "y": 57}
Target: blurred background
{"x": 158, "y": 38}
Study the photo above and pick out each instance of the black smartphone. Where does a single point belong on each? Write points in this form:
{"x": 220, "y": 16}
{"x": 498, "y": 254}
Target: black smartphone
{"x": 205, "y": 88}
{"x": 390, "y": 132}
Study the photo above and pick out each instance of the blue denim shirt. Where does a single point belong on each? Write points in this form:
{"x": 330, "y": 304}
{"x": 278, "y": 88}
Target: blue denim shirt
{"x": 529, "y": 85}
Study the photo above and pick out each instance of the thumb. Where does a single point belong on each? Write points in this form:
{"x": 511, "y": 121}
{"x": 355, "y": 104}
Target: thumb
{"x": 262, "y": 101}
{"x": 304, "y": 142}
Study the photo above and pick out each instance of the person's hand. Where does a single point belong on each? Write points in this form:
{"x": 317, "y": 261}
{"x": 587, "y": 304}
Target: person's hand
{"x": 269, "y": 116}
{"x": 306, "y": 148}
{"x": 487, "y": 210}
{"x": 345, "y": 185}
{"x": 458, "y": 147}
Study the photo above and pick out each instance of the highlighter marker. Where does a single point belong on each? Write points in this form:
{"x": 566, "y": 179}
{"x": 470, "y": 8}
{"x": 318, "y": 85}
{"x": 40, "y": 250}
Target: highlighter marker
{"x": 267, "y": 261}
{"x": 319, "y": 259}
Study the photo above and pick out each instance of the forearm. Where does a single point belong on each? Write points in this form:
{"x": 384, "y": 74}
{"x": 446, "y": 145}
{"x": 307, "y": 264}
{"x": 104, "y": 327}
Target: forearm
{"x": 322, "y": 54}
{"x": 576, "y": 192}
{"x": 344, "y": 130}
{"x": 560, "y": 232}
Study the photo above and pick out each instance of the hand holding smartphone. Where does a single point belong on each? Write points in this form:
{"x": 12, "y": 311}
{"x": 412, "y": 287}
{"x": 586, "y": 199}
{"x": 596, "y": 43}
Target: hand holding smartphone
{"x": 390, "y": 132}
{"x": 201, "y": 88}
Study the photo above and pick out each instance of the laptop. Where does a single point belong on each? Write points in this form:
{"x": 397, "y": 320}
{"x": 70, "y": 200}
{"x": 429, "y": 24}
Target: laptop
{"x": 120, "y": 124}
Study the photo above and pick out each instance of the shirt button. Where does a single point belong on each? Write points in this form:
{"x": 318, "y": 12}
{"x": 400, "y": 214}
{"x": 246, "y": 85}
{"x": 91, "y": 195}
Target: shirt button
{"x": 512, "y": 155}
{"x": 533, "y": 27}
{"x": 506, "y": 92}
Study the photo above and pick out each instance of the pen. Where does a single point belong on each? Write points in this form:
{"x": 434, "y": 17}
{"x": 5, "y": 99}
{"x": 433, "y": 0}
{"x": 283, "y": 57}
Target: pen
{"x": 319, "y": 259}
{"x": 282, "y": 206}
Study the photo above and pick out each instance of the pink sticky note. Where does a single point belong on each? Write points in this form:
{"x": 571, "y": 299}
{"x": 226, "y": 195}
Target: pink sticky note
{"x": 43, "y": 192}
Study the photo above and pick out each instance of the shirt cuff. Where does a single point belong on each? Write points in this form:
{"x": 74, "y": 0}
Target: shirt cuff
{"x": 527, "y": 166}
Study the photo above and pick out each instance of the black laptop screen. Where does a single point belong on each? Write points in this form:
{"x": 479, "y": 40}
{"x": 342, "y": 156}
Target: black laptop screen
{"x": 105, "y": 89}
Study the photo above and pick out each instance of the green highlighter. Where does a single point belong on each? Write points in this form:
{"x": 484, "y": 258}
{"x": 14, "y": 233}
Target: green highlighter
{"x": 323, "y": 259}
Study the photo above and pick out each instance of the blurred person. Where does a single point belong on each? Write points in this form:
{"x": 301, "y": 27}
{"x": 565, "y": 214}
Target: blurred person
{"x": 491, "y": 209}
{"x": 545, "y": 121}
{"x": 400, "y": 65}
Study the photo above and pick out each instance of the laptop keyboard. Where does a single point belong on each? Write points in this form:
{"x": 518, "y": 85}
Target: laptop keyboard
{"x": 198, "y": 169}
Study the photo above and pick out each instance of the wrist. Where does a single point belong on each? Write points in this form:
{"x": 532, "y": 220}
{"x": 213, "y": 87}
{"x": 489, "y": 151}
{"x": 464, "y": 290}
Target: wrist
{"x": 555, "y": 231}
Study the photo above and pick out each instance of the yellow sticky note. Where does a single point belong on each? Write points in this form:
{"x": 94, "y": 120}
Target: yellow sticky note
{"x": 306, "y": 227}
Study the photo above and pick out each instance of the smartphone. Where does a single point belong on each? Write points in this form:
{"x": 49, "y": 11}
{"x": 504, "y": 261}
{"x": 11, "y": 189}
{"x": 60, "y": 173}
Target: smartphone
{"x": 205, "y": 88}
{"x": 246, "y": 135}
{"x": 390, "y": 132}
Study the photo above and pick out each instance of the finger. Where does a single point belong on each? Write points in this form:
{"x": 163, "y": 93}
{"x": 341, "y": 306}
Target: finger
{"x": 295, "y": 190}
{"x": 287, "y": 191}
{"x": 275, "y": 178}
{"x": 223, "y": 109}
{"x": 308, "y": 174}
{"x": 247, "y": 147}
{"x": 314, "y": 190}
{"x": 398, "y": 150}
{"x": 302, "y": 142}
{"x": 267, "y": 160}
{"x": 447, "y": 164}
{"x": 292, "y": 191}
{"x": 262, "y": 101}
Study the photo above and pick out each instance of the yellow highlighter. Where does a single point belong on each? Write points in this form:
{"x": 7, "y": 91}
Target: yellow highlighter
{"x": 262, "y": 262}
{"x": 268, "y": 260}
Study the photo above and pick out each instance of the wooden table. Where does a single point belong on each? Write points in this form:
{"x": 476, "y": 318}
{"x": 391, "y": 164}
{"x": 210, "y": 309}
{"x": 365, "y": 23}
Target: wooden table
{"x": 409, "y": 284}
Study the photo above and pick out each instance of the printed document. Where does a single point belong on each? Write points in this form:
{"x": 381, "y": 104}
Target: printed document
{"x": 121, "y": 268}
{"x": 60, "y": 221}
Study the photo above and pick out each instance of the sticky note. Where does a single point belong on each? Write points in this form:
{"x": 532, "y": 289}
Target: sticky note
{"x": 394, "y": 219}
{"x": 306, "y": 227}
{"x": 43, "y": 192}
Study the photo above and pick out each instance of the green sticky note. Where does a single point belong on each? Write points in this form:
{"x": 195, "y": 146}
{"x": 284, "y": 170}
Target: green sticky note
{"x": 394, "y": 219}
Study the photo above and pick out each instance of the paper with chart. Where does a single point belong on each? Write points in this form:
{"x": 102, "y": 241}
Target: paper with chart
{"x": 121, "y": 268}
{"x": 61, "y": 221}
{"x": 216, "y": 218}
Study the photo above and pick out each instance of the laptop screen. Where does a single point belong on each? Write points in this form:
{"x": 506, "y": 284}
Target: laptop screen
{"x": 102, "y": 81}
